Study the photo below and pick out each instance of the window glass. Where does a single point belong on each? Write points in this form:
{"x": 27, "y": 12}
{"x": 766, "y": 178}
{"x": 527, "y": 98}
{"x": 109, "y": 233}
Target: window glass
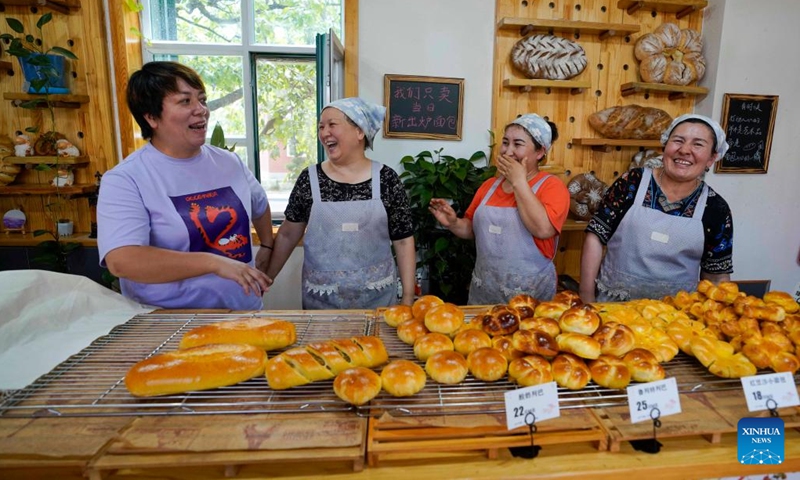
{"x": 297, "y": 22}
{"x": 196, "y": 21}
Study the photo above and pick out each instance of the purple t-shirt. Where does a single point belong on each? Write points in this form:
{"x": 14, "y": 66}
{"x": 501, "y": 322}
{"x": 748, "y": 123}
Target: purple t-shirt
{"x": 200, "y": 204}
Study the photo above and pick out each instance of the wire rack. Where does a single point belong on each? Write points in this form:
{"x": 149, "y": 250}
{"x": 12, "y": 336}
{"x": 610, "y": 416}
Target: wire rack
{"x": 91, "y": 382}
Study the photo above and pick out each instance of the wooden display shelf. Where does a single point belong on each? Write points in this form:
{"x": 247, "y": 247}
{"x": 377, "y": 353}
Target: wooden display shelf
{"x": 58, "y": 101}
{"x": 575, "y": 86}
{"x": 61, "y": 6}
{"x": 16, "y": 239}
{"x": 48, "y": 160}
{"x": 47, "y": 189}
{"x": 605, "y": 144}
{"x": 528, "y": 25}
{"x": 680, "y": 8}
{"x": 676, "y": 92}
{"x": 571, "y": 225}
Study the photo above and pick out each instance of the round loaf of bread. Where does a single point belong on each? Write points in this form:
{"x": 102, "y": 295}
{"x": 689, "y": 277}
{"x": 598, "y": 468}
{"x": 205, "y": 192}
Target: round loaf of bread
{"x": 506, "y": 346}
{"x": 583, "y": 319}
{"x": 397, "y": 314}
{"x": 447, "y": 367}
{"x": 530, "y": 370}
{"x": 551, "y": 309}
{"x": 423, "y": 304}
{"x": 403, "y": 378}
{"x": 357, "y": 386}
{"x": 535, "y": 342}
{"x": 265, "y": 333}
{"x": 543, "y": 324}
{"x": 502, "y": 320}
{"x": 430, "y": 343}
{"x": 586, "y": 193}
{"x": 610, "y": 372}
{"x": 468, "y": 341}
{"x": 570, "y": 371}
{"x": 781, "y": 299}
{"x": 615, "y": 339}
{"x": 643, "y": 366}
{"x": 445, "y": 318}
{"x": 525, "y": 305}
{"x": 581, "y": 345}
{"x": 487, "y": 364}
{"x": 568, "y": 297}
{"x": 410, "y": 330}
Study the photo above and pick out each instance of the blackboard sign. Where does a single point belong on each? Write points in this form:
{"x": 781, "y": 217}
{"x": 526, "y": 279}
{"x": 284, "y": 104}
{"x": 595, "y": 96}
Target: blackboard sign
{"x": 423, "y": 107}
{"x": 748, "y": 121}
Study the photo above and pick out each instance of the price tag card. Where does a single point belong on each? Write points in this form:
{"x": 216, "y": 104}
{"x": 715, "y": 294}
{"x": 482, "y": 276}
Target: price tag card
{"x": 772, "y": 390}
{"x": 648, "y": 401}
{"x": 531, "y": 405}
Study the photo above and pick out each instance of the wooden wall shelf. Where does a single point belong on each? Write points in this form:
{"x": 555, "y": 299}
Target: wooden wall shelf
{"x": 676, "y": 92}
{"x": 528, "y": 25}
{"x": 48, "y": 160}
{"x": 47, "y": 189}
{"x": 605, "y": 144}
{"x": 680, "y": 8}
{"x": 58, "y": 101}
{"x": 61, "y": 6}
{"x": 526, "y": 85}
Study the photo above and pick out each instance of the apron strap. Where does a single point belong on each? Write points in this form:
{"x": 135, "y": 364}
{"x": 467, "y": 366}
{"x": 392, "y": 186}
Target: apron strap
{"x": 376, "y": 180}
{"x": 314, "y": 181}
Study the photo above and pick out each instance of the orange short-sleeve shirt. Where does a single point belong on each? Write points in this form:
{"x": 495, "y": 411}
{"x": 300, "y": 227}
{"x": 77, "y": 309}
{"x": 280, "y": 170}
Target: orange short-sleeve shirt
{"x": 552, "y": 193}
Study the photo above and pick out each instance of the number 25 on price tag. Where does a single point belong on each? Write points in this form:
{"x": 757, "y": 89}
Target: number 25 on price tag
{"x": 770, "y": 391}
{"x": 648, "y": 401}
{"x": 529, "y": 405}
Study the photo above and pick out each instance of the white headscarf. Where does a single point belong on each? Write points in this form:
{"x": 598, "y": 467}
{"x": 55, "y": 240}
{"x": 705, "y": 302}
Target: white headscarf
{"x": 722, "y": 145}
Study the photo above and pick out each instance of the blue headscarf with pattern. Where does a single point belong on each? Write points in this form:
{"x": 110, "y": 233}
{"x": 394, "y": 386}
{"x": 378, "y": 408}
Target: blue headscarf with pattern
{"x": 538, "y": 128}
{"x": 368, "y": 116}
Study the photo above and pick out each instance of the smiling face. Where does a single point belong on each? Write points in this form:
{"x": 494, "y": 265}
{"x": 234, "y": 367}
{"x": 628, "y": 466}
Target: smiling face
{"x": 338, "y": 136}
{"x": 180, "y": 131}
{"x": 519, "y": 145}
{"x": 689, "y": 151}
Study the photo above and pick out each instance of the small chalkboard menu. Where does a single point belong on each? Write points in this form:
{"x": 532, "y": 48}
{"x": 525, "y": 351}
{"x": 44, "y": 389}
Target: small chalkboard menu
{"x": 423, "y": 107}
{"x": 748, "y": 121}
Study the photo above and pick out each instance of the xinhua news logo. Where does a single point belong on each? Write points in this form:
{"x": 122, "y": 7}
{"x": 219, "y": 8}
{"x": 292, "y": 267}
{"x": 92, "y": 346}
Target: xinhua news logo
{"x": 760, "y": 441}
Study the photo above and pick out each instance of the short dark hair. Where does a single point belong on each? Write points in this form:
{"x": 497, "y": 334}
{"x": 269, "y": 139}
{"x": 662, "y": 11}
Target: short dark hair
{"x": 701, "y": 122}
{"x": 148, "y": 87}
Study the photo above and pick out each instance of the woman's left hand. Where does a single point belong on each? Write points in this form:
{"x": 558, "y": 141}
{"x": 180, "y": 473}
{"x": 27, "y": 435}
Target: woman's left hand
{"x": 512, "y": 170}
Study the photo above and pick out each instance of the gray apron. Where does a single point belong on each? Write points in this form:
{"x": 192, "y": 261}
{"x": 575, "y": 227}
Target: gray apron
{"x": 508, "y": 261}
{"x": 652, "y": 254}
{"x": 347, "y": 252}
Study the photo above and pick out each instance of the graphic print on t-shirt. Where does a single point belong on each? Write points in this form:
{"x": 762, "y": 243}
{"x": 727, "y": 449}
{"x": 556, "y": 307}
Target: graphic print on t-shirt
{"x": 217, "y": 222}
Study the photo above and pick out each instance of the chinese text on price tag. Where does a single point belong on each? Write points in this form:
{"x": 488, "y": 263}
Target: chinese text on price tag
{"x": 531, "y": 404}
{"x": 661, "y": 396}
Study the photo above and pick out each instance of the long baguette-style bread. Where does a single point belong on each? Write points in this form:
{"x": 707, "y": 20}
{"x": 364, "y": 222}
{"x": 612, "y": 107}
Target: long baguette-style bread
{"x": 264, "y": 333}
{"x": 197, "y": 368}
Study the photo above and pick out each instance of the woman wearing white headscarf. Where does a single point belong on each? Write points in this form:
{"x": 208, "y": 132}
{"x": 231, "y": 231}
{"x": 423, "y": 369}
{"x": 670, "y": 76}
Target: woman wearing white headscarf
{"x": 664, "y": 228}
{"x": 352, "y": 210}
{"x": 515, "y": 218}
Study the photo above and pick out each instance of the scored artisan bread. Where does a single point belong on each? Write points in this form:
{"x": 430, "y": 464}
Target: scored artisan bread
{"x": 549, "y": 57}
{"x": 403, "y": 378}
{"x": 357, "y": 385}
{"x": 671, "y": 55}
{"x": 630, "y": 122}
{"x": 264, "y": 333}
{"x": 585, "y": 194}
{"x": 196, "y": 368}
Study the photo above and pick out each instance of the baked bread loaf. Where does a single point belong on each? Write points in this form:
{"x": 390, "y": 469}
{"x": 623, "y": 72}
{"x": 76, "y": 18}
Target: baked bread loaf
{"x": 583, "y": 319}
{"x": 548, "y": 56}
{"x": 423, "y": 304}
{"x": 430, "y": 343}
{"x": 781, "y": 299}
{"x": 397, "y": 314}
{"x": 570, "y": 371}
{"x": 643, "y": 365}
{"x": 543, "y": 324}
{"x": 568, "y": 297}
{"x": 357, "y": 386}
{"x": 630, "y": 122}
{"x": 646, "y": 159}
{"x": 445, "y": 318}
{"x": 403, "y": 378}
{"x": 610, "y": 372}
{"x": 410, "y": 330}
{"x": 197, "y": 368}
{"x": 447, "y": 367}
{"x": 578, "y": 344}
{"x": 525, "y": 305}
{"x": 535, "y": 342}
{"x": 615, "y": 339}
{"x": 671, "y": 55}
{"x": 468, "y": 341}
{"x": 529, "y": 371}
{"x": 264, "y": 333}
{"x": 658, "y": 342}
{"x": 505, "y": 345}
{"x": 720, "y": 359}
{"x": 585, "y": 195}
{"x": 487, "y": 364}
{"x": 551, "y": 309}
{"x": 501, "y": 320}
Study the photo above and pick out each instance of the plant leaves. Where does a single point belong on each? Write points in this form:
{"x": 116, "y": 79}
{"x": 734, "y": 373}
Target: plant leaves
{"x": 64, "y": 52}
{"x": 15, "y": 25}
{"x": 44, "y": 20}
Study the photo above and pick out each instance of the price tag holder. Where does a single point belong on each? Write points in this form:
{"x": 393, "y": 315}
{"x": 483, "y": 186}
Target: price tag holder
{"x": 778, "y": 387}
{"x": 527, "y": 405}
{"x": 649, "y": 401}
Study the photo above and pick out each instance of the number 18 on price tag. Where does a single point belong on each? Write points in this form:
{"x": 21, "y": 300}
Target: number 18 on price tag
{"x": 529, "y": 405}
{"x": 770, "y": 391}
{"x": 649, "y": 401}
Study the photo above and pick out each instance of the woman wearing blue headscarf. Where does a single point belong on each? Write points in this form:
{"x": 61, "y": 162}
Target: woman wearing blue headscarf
{"x": 352, "y": 210}
{"x": 515, "y": 218}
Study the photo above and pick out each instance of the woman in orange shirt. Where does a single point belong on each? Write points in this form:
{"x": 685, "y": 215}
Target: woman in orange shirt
{"x": 515, "y": 218}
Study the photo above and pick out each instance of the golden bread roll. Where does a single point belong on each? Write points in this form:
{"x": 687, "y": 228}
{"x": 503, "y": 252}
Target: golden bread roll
{"x": 506, "y": 346}
{"x": 583, "y": 319}
{"x": 725, "y": 292}
{"x": 445, "y": 318}
{"x": 543, "y": 324}
{"x": 501, "y": 320}
{"x": 264, "y": 333}
{"x": 581, "y": 345}
{"x": 570, "y": 372}
{"x": 681, "y": 300}
{"x": 551, "y": 309}
{"x": 470, "y": 340}
{"x": 373, "y": 348}
{"x": 350, "y": 351}
{"x": 748, "y": 300}
{"x": 720, "y": 359}
{"x": 535, "y": 342}
{"x": 568, "y": 297}
{"x": 737, "y": 327}
{"x": 761, "y": 353}
{"x": 410, "y": 330}
{"x": 610, "y": 372}
{"x": 658, "y": 343}
{"x": 783, "y": 300}
{"x": 423, "y": 304}
{"x": 682, "y": 331}
{"x": 403, "y": 378}
{"x": 525, "y": 305}
{"x": 529, "y": 371}
{"x": 447, "y": 367}
{"x": 357, "y": 385}
{"x": 615, "y": 339}
{"x": 196, "y": 368}
{"x": 430, "y": 343}
{"x": 643, "y": 365}
{"x": 785, "y": 362}
{"x": 326, "y": 354}
{"x": 772, "y": 312}
{"x": 397, "y": 314}
{"x": 487, "y": 364}
{"x": 307, "y": 364}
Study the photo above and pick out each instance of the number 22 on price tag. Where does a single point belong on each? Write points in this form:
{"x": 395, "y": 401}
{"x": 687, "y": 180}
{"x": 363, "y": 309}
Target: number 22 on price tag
{"x": 648, "y": 401}
{"x": 770, "y": 391}
{"x": 529, "y": 405}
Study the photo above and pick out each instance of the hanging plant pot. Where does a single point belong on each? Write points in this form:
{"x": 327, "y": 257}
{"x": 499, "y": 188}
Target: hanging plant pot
{"x": 44, "y": 74}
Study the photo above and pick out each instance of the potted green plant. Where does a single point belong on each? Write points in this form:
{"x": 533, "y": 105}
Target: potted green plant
{"x": 449, "y": 260}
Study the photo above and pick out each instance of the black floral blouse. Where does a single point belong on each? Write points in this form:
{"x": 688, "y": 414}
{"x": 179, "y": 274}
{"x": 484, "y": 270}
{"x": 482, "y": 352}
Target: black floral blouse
{"x": 717, "y": 219}
{"x": 393, "y": 196}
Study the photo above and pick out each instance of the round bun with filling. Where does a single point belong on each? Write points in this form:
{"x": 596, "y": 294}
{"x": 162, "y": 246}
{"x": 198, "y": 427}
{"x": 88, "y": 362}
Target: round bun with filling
{"x": 445, "y": 318}
{"x": 423, "y": 304}
{"x": 615, "y": 339}
{"x": 570, "y": 372}
{"x": 447, "y": 367}
{"x": 535, "y": 342}
{"x": 530, "y": 370}
{"x": 430, "y": 343}
{"x": 525, "y": 305}
{"x": 583, "y": 319}
{"x": 357, "y": 386}
{"x": 403, "y": 378}
{"x": 487, "y": 364}
{"x": 410, "y": 330}
{"x": 501, "y": 320}
{"x": 397, "y": 314}
{"x": 468, "y": 341}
